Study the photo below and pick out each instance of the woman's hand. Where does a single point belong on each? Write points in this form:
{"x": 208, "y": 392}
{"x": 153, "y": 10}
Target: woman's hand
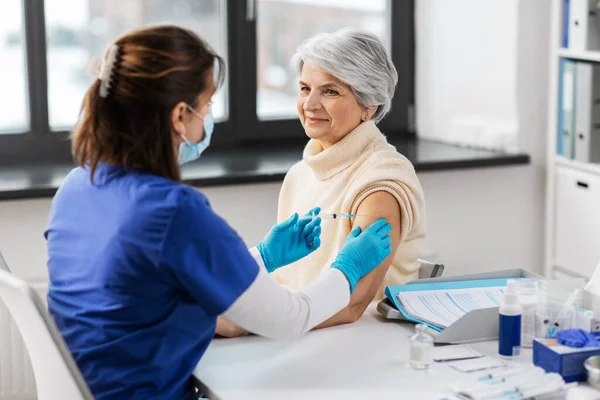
{"x": 228, "y": 329}
{"x": 291, "y": 240}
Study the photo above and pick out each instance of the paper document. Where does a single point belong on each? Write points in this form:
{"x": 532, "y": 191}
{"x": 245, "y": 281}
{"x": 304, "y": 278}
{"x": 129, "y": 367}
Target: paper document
{"x": 477, "y": 364}
{"x": 443, "y": 307}
{"x": 455, "y": 353}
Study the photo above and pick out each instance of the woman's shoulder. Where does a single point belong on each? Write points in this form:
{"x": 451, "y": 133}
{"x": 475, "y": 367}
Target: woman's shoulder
{"x": 384, "y": 156}
{"x": 384, "y": 167}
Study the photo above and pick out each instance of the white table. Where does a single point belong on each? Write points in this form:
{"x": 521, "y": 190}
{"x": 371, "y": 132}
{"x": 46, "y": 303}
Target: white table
{"x": 364, "y": 360}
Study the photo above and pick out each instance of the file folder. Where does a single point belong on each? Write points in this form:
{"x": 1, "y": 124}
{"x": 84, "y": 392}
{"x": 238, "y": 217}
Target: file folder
{"x": 587, "y": 112}
{"x": 567, "y": 108}
{"x": 565, "y": 24}
{"x": 583, "y": 33}
{"x": 559, "y": 111}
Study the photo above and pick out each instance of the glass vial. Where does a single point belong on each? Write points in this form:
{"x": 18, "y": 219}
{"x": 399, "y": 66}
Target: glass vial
{"x": 421, "y": 348}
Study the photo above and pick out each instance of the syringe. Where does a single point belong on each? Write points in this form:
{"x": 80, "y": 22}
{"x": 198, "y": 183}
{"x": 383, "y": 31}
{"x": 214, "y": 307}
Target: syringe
{"x": 334, "y": 216}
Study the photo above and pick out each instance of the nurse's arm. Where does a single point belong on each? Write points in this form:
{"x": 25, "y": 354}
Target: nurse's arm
{"x": 375, "y": 206}
{"x": 225, "y": 327}
{"x": 270, "y": 310}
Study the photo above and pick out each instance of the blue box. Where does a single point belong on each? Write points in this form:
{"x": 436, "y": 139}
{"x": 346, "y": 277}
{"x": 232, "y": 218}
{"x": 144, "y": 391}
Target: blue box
{"x": 566, "y": 361}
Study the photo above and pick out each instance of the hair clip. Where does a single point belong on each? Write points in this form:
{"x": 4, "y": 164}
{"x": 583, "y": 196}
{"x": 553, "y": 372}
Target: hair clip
{"x": 103, "y": 69}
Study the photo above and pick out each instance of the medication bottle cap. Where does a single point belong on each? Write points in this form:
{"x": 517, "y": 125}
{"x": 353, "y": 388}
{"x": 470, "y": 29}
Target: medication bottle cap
{"x": 510, "y": 294}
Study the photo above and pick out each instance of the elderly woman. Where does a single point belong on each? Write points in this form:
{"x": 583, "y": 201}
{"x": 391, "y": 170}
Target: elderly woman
{"x": 347, "y": 81}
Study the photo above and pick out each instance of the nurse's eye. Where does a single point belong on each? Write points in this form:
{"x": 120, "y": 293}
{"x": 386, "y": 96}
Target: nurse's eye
{"x": 331, "y": 92}
{"x": 304, "y": 89}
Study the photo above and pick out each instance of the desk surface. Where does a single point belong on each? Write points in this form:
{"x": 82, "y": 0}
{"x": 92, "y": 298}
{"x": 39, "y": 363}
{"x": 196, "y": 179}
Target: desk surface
{"x": 364, "y": 360}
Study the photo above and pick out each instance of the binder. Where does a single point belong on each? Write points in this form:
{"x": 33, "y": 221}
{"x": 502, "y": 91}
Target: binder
{"x": 565, "y": 27}
{"x": 567, "y": 108}
{"x": 559, "y": 135}
{"x": 587, "y": 112}
{"x": 475, "y": 326}
{"x": 583, "y": 32}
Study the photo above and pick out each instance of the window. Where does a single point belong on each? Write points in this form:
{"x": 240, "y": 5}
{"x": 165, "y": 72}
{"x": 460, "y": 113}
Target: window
{"x": 300, "y": 19}
{"x": 46, "y": 45}
{"x": 76, "y": 30}
{"x": 13, "y": 69}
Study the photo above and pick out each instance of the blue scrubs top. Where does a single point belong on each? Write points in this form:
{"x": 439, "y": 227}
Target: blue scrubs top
{"x": 140, "y": 267}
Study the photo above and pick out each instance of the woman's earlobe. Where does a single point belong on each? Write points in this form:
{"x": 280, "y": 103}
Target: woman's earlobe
{"x": 370, "y": 112}
{"x": 179, "y": 129}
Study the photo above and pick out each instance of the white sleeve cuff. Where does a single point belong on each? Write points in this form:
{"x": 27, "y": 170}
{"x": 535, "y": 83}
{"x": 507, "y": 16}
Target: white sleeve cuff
{"x": 257, "y": 257}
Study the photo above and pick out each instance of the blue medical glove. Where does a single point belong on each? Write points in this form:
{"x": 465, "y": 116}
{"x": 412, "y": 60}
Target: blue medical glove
{"x": 291, "y": 240}
{"x": 577, "y": 338}
{"x": 363, "y": 251}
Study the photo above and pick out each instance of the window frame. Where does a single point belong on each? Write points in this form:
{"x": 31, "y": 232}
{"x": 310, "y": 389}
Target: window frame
{"x": 40, "y": 145}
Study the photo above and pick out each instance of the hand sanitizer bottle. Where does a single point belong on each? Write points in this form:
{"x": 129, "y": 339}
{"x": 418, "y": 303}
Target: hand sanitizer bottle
{"x": 421, "y": 348}
{"x": 509, "y": 335}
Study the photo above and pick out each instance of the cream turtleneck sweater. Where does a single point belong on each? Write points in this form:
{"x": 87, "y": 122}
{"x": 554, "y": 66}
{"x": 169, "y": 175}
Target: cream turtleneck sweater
{"x": 338, "y": 179}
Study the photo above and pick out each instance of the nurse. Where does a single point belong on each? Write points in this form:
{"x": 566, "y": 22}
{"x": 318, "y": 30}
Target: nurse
{"x": 140, "y": 266}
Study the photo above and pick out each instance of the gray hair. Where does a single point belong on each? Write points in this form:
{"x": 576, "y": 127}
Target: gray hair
{"x": 357, "y": 58}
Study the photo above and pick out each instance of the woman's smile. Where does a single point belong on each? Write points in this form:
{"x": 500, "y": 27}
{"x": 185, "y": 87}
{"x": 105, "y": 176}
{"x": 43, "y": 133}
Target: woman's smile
{"x": 314, "y": 121}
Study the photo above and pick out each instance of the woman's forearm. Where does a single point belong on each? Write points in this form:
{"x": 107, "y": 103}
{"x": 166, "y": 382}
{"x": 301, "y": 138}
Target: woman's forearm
{"x": 346, "y": 316}
{"x": 364, "y": 293}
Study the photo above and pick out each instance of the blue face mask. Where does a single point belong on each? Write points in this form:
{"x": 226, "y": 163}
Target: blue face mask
{"x": 189, "y": 151}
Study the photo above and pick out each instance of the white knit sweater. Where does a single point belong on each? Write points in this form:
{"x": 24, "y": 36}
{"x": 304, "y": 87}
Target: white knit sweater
{"x": 338, "y": 179}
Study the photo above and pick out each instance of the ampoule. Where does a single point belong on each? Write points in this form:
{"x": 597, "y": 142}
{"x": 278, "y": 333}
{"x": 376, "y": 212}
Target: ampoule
{"x": 421, "y": 348}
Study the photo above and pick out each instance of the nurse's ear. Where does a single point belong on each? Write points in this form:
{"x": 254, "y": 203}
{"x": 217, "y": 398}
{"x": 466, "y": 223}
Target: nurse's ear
{"x": 178, "y": 115}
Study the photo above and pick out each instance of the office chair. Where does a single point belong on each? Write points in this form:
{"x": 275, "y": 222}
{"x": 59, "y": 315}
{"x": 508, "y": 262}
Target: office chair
{"x": 430, "y": 270}
{"x": 56, "y": 374}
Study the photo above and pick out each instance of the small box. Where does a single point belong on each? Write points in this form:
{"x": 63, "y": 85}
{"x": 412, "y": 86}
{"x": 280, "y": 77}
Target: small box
{"x": 566, "y": 361}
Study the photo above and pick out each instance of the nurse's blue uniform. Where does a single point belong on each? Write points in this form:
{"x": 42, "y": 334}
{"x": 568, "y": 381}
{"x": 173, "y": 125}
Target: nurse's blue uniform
{"x": 140, "y": 267}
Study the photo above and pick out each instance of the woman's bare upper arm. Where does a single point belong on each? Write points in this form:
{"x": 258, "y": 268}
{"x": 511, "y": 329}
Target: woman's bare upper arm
{"x": 375, "y": 206}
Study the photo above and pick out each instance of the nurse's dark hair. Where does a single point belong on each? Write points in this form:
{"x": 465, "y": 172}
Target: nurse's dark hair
{"x": 155, "y": 69}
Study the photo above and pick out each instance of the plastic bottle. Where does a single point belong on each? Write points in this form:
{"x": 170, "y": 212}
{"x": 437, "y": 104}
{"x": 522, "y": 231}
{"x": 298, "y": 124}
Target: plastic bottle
{"x": 421, "y": 348}
{"x": 530, "y": 292}
{"x": 509, "y": 335}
